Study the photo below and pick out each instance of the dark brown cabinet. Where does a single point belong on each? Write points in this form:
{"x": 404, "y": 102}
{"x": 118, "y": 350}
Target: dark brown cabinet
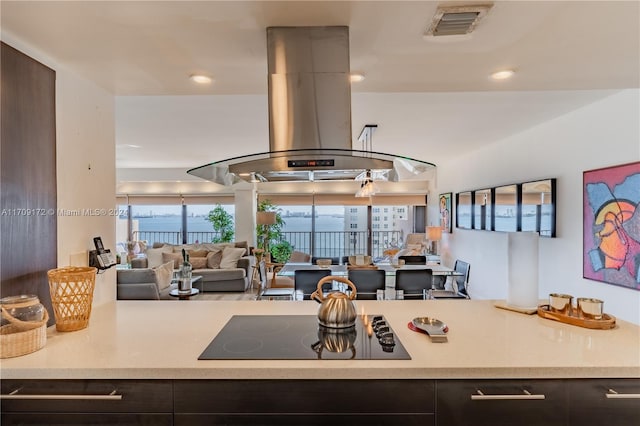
{"x": 308, "y": 402}
{"x": 611, "y": 402}
{"x": 501, "y": 402}
{"x": 81, "y": 402}
{"x": 569, "y": 402}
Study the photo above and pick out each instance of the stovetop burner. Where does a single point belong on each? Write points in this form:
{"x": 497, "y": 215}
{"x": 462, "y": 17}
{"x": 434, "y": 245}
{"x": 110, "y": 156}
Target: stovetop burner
{"x": 301, "y": 337}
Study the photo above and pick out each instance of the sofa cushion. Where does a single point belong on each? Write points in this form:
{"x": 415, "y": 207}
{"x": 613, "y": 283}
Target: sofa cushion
{"x": 154, "y": 256}
{"x": 230, "y": 257}
{"x": 197, "y": 253}
{"x": 198, "y": 262}
{"x": 209, "y": 275}
{"x": 134, "y": 276}
{"x": 164, "y": 274}
{"x": 216, "y": 246}
{"x": 242, "y": 244}
{"x": 213, "y": 259}
{"x": 175, "y": 257}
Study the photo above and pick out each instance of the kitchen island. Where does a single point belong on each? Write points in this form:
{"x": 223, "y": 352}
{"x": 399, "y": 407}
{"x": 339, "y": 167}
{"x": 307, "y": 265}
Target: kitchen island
{"x": 156, "y": 344}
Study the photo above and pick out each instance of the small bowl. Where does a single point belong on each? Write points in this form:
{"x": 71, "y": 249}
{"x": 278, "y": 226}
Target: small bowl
{"x": 590, "y": 308}
{"x": 560, "y": 303}
{"x": 364, "y": 260}
{"x": 323, "y": 263}
{"x": 398, "y": 264}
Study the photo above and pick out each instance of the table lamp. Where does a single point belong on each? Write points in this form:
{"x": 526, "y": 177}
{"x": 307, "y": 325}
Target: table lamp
{"x": 434, "y": 234}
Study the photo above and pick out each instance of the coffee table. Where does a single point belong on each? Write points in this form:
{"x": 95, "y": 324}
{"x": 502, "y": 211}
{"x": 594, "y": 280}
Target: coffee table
{"x": 184, "y": 296}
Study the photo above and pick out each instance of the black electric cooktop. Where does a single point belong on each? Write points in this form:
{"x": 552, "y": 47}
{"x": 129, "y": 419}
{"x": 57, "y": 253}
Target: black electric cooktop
{"x": 301, "y": 337}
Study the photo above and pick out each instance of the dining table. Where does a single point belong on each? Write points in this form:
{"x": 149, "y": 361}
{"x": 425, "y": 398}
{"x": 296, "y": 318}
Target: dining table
{"x": 437, "y": 269}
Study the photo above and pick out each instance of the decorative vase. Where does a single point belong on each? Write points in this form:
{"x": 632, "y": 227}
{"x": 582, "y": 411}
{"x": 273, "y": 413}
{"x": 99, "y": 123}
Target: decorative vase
{"x": 184, "y": 285}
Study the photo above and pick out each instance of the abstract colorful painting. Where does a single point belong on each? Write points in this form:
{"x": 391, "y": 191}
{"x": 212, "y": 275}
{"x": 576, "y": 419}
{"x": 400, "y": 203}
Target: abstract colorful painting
{"x": 611, "y": 220}
{"x": 445, "y": 212}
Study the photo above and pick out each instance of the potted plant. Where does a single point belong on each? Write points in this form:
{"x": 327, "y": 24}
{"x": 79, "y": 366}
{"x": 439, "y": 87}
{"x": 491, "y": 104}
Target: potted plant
{"x": 281, "y": 251}
{"x": 222, "y": 223}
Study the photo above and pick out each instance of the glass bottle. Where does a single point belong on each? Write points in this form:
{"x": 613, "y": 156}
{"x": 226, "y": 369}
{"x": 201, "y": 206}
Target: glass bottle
{"x": 185, "y": 274}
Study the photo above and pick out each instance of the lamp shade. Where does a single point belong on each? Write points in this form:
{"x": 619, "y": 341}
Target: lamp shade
{"x": 266, "y": 218}
{"x": 434, "y": 233}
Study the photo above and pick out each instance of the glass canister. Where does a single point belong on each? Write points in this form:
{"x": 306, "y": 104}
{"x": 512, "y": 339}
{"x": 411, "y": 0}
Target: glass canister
{"x": 23, "y": 307}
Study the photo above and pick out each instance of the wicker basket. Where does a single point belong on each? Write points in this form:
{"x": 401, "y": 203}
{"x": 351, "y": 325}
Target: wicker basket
{"x": 71, "y": 296}
{"x": 22, "y": 337}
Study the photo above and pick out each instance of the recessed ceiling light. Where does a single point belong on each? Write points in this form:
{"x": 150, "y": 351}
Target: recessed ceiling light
{"x": 356, "y": 77}
{"x": 502, "y": 75}
{"x": 200, "y": 79}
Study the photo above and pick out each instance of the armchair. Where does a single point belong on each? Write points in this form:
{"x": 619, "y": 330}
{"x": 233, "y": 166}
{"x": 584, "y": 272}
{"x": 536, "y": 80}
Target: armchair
{"x": 140, "y": 284}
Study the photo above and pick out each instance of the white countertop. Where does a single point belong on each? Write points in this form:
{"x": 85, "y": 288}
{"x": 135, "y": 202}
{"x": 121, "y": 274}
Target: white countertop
{"x": 163, "y": 339}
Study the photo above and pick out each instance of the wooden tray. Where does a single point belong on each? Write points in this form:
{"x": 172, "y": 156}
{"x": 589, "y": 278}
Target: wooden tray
{"x": 607, "y": 322}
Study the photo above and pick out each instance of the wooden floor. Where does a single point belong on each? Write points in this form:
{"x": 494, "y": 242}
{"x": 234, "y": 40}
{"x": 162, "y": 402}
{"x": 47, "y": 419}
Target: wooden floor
{"x": 250, "y": 294}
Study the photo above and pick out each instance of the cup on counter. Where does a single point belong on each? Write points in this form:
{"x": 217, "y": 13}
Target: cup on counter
{"x": 590, "y": 308}
{"x": 560, "y": 303}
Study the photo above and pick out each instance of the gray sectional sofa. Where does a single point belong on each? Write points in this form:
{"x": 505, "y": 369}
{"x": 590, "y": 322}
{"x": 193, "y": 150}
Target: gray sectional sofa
{"x": 141, "y": 282}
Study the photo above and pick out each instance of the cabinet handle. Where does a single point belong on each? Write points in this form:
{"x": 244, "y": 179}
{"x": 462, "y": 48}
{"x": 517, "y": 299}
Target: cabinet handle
{"x": 612, "y": 394}
{"x": 480, "y": 396}
{"x": 16, "y": 395}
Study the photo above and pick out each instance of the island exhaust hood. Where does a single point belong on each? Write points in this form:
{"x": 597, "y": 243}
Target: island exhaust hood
{"x": 310, "y": 118}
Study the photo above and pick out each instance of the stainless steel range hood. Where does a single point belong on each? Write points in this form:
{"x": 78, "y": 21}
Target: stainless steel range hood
{"x": 310, "y": 118}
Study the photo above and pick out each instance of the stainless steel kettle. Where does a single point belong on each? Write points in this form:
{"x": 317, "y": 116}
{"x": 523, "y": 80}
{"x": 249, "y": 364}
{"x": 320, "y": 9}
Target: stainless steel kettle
{"x": 336, "y": 309}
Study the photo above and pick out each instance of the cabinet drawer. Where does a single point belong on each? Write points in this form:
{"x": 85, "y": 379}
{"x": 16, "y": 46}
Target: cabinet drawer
{"x": 307, "y": 420}
{"x": 501, "y": 402}
{"x": 614, "y": 402}
{"x": 83, "y": 419}
{"x": 86, "y": 396}
{"x": 304, "y": 396}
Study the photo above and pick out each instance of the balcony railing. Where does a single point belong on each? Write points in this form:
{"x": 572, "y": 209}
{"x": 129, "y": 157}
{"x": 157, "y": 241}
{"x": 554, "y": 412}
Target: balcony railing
{"x": 342, "y": 243}
{"x": 174, "y": 237}
{"x": 325, "y": 243}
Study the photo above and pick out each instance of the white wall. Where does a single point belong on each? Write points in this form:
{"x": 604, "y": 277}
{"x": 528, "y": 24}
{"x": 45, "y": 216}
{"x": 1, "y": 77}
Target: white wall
{"x": 601, "y": 134}
{"x": 85, "y": 133}
{"x": 86, "y": 172}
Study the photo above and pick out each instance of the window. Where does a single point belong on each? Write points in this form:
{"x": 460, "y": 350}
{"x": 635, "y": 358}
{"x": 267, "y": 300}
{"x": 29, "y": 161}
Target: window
{"x": 157, "y": 223}
{"x": 199, "y": 228}
{"x": 354, "y": 226}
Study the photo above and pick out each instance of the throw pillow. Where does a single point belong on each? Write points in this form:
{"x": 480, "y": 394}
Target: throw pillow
{"x": 230, "y": 257}
{"x": 154, "y": 256}
{"x": 198, "y": 262}
{"x": 197, "y": 253}
{"x": 164, "y": 273}
{"x": 175, "y": 257}
{"x": 213, "y": 259}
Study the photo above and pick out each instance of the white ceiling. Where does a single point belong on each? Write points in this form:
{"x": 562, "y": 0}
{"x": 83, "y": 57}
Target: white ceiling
{"x": 421, "y": 92}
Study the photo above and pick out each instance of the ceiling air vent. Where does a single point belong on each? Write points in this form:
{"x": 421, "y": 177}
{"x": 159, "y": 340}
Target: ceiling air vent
{"x": 457, "y": 20}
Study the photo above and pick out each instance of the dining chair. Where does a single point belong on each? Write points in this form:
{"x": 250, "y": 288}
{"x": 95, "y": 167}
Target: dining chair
{"x": 413, "y": 281}
{"x": 305, "y": 281}
{"x": 462, "y": 281}
{"x": 367, "y": 282}
{"x": 413, "y": 260}
{"x": 266, "y": 292}
{"x": 459, "y": 283}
